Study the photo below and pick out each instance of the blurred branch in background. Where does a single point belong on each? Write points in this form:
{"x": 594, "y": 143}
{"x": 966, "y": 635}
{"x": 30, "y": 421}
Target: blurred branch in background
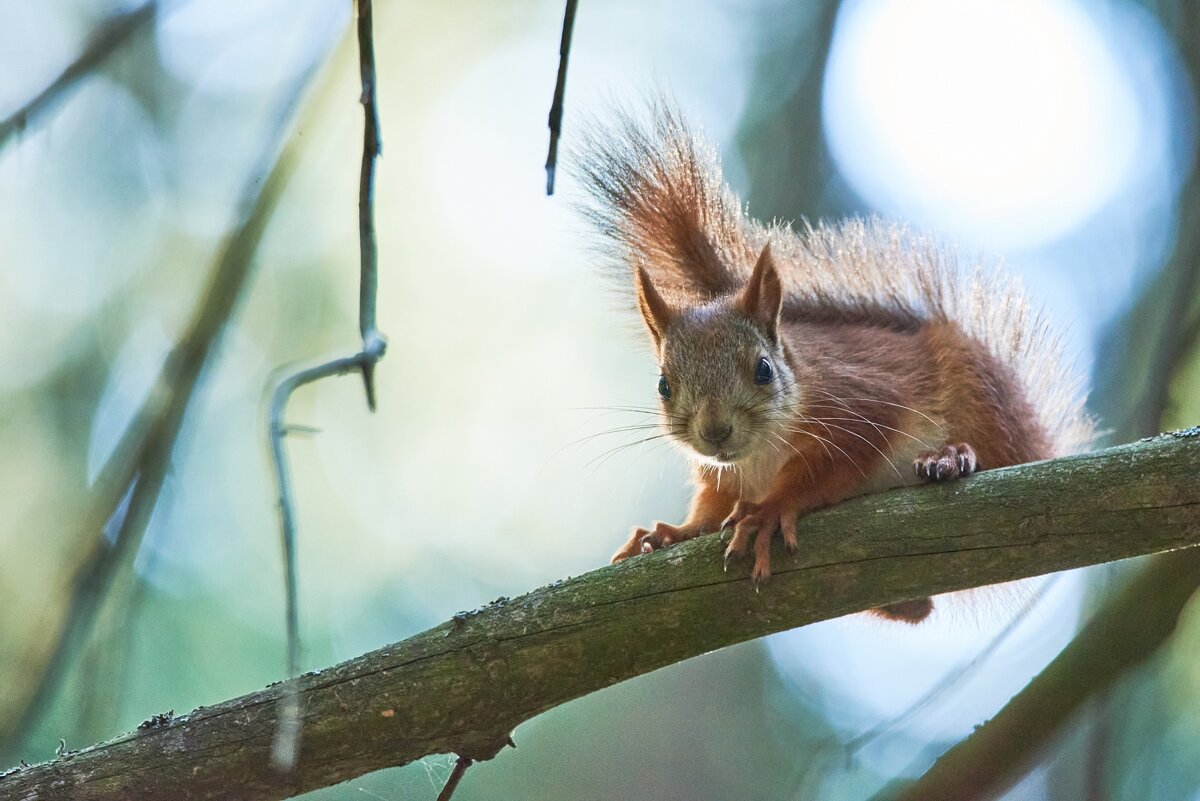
{"x": 560, "y": 87}
{"x": 463, "y": 686}
{"x": 1124, "y": 633}
{"x": 103, "y": 43}
{"x": 780, "y": 139}
{"x": 127, "y": 488}
{"x": 953, "y": 678}
{"x": 1138, "y": 402}
{"x": 1137, "y": 365}
{"x": 285, "y": 750}
{"x": 1137, "y": 362}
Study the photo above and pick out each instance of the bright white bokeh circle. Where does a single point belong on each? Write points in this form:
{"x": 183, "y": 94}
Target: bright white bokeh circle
{"x": 1004, "y": 122}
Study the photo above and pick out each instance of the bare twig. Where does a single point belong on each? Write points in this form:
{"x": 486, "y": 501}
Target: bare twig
{"x": 129, "y": 483}
{"x": 463, "y": 686}
{"x": 368, "y": 249}
{"x": 279, "y": 430}
{"x": 560, "y": 86}
{"x": 286, "y": 746}
{"x": 103, "y": 43}
{"x": 460, "y": 767}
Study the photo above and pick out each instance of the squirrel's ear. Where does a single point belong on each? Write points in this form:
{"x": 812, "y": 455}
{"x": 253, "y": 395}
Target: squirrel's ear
{"x": 762, "y": 298}
{"x": 657, "y": 313}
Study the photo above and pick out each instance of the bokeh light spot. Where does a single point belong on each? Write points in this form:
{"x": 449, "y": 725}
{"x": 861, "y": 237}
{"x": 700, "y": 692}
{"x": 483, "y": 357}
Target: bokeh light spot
{"x": 1009, "y": 122}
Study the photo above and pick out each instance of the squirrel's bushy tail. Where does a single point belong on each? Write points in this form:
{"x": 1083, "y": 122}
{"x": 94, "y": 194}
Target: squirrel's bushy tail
{"x": 658, "y": 199}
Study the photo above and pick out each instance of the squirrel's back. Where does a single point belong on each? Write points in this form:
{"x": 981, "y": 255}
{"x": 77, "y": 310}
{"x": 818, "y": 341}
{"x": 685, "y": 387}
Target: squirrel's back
{"x": 660, "y": 202}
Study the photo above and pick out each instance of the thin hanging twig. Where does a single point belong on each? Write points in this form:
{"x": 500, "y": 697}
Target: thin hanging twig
{"x": 560, "y": 86}
{"x": 285, "y": 749}
{"x": 128, "y": 486}
{"x": 102, "y": 44}
{"x": 373, "y": 341}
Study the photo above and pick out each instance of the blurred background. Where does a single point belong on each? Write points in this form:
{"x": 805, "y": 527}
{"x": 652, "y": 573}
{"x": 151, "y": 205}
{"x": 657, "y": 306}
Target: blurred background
{"x": 1058, "y": 136}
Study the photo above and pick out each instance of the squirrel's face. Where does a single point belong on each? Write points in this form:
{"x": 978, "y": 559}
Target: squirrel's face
{"x": 726, "y": 389}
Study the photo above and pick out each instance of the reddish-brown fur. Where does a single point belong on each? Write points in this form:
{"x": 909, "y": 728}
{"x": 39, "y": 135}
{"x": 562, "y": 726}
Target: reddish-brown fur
{"x": 890, "y": 344}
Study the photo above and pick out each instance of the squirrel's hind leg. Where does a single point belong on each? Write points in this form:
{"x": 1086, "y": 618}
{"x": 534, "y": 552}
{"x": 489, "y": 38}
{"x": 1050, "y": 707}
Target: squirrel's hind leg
{"x": 913, "y": 611}
{"x": 948, "y": 463}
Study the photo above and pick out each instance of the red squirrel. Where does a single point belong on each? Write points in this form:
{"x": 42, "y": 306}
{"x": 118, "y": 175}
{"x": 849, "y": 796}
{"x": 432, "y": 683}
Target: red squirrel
{"x": 803, "y": 367}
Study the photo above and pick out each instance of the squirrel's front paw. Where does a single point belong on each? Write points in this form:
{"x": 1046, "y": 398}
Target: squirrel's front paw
{"x": 759, "y": 522}
{"x": 947, "y": 464}
{"x": 664, "y": 535}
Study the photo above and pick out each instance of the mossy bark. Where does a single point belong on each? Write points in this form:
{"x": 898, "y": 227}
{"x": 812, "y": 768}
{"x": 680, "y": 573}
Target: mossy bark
{"x": 463, "y": 686}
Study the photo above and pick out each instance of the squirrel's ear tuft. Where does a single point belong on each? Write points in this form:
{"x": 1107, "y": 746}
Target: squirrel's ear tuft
{"x": 655, "y": 311}
{"x": 762, "y": 298}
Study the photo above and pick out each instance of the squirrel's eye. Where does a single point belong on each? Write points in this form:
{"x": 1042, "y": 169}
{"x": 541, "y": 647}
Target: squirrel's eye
{"x": 763, "y": 373}
{"x": 664, "y": 388}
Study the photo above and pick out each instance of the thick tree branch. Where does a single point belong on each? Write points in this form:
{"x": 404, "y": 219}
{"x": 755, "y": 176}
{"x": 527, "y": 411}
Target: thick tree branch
{"x": 461, "y": 687}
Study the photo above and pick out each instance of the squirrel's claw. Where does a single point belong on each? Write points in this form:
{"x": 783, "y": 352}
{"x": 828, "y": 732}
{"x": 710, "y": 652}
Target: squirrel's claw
{"x": 946, "y": 464}
{"x": 757, "y": 523}
{"x": 632, "y": 547}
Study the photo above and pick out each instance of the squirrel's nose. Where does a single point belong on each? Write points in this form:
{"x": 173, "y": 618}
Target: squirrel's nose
{"x": 715, "y": 434}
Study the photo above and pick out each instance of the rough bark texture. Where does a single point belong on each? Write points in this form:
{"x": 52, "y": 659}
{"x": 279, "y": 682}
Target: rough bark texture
{"x": 462, "y": 686}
